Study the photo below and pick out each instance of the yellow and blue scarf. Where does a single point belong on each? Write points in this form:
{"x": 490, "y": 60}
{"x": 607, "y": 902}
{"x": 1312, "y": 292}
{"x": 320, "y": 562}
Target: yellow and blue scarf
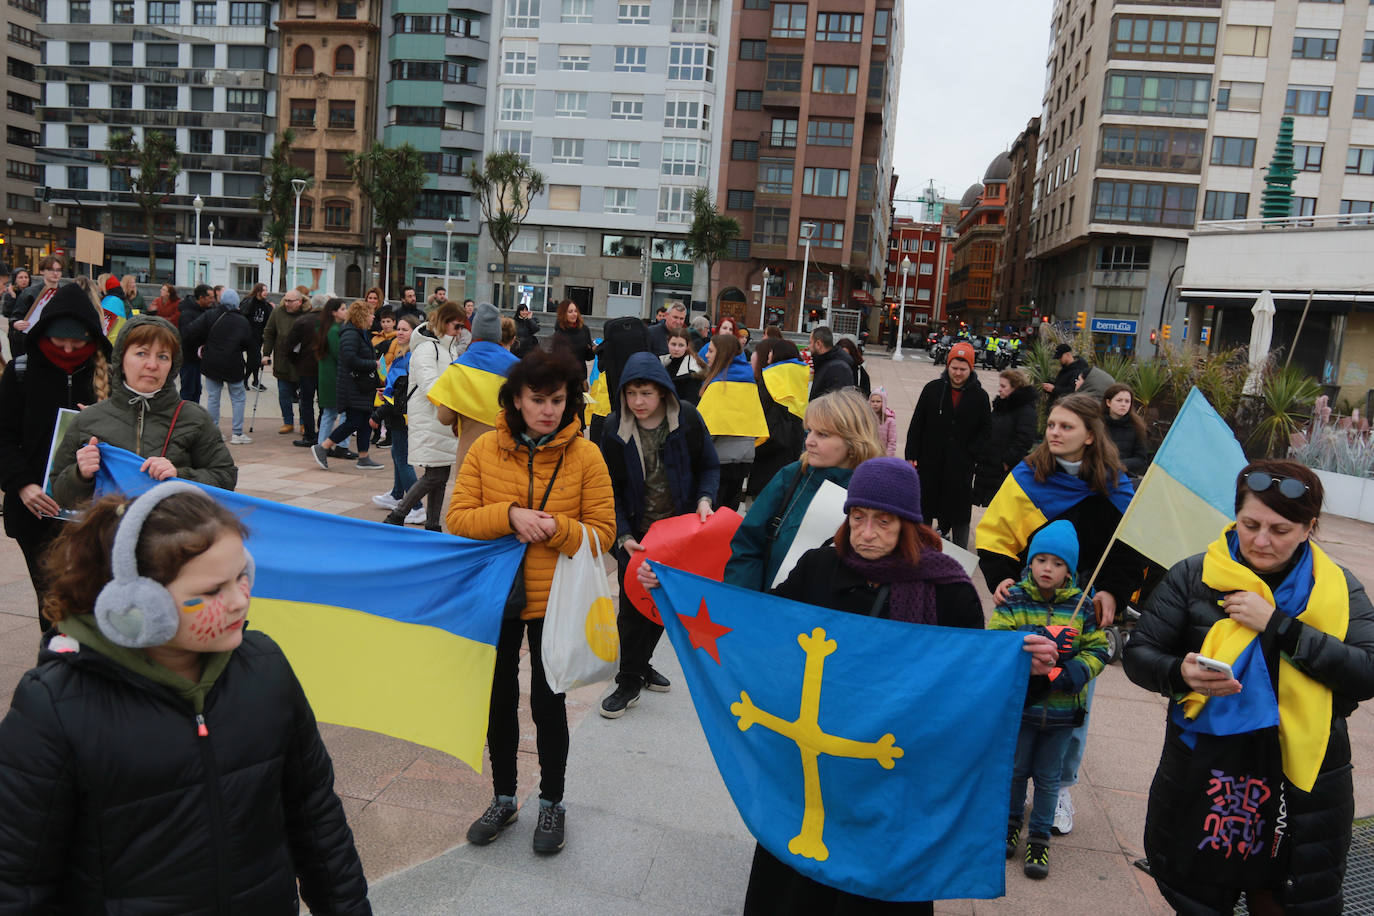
{"x": 1023, "y": 505}
{"x": 1314, "y": 591}
{"x": 789, "y": 383}
{"x": 730, "y": 404}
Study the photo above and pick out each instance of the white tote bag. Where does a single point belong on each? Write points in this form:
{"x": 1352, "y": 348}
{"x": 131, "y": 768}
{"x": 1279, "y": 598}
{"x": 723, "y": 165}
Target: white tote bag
{"x": 581, "y": 641}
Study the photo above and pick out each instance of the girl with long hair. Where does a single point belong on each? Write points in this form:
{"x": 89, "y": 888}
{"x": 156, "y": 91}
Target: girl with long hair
{"x": 571, "y": 334}
{"x": 1127, "y": 428}
{"x": 355, "y": 385}
{"x": 685, "y": 368}
{"x": 786, "y": 434}
{"x": 734, "y": 415}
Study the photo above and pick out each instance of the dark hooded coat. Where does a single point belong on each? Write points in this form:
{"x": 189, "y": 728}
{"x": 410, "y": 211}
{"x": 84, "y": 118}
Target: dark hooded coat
{"x": 944, "y": 441}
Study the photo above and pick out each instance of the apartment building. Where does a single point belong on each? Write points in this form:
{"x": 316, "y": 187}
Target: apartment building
{"x": 26, "y": 228}
{"x": 811, "y": 97}
{"x": 1013, "y": 277}
{"x": 202, "y": 71}
{"x": 1161, "y": 116}
{"x": 917, "y": 257}
{"x": 327, "y": 96}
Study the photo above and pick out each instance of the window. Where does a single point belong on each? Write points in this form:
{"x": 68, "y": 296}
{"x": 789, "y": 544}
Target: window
{"x": 738, "y": 250}
{"x": 622, "y": 246}
{"x": 444, "y": 163}
{"x": 789, "y": 20}
{"x": 686, "y": 158}
{"x": 1365, "y": 207}
{"x": 246, "y": 57}
{"x": 21, "y": 69}
{"x": 248, "y": 14}
{"x": 567, "y": 150}
{"x": 21, "y": 103}
{"x": 1247, "y": 40}
{"x": 303, "y": 159}
{"x": 245, "y": 100}
{"x": 28, "y": 37}
{"x": 1238, "y": 96}
{"x": 336, "y": 165}
{"x": 21, "y": 202}
{"x": 519, "y": 58}
{"x": 574, "y": 243}
{"x": 574, "y": 57}
{"x": 202, "y": 99}
{"x": 341, "y": 114}
{"x": 1307, "y": 157}
{"x": 121, "y": 96}
{"x": 625, "y": 288}
{"x": 825, "y": 182}
{"x": 164, "y": 12}
{"x": 122, "y": 12}
{"x": 633, "y": 13}
{"x": 835, "y": 80}
{"x": 830, "y": 133}
{"x": 338, "y": 214}
{"x": 694, "y": 16}
{"x": 1156, "y": 38}
{"x": 622, "y": 154}
{"x": 783, "y": 133}
{"x": 1359, "y": 161}
{"x": 302, "y": 112}
{"x": 1239, "y": 151}
{"x": 748, "y": 100}
{"x": 675, "y": 205}
{"x": 882, "y": 24}
{"x": 576, "y": 11}
{"x": 78, "y": 136}
{"x": 202, "y": 57}
{"x": 522, "y": 14}
{"x": 1157, "y": 94}
{"x": 770, "y": 225}
{"x": 343, "y": 59}
{"x": 927, "y": 269}
{"x": 303, "y": 61}
{"x": 1315, "y": 44}
{"x": 630, "y": 59}
{"x": 417, "y": 115}
{"x": 1151, "y": 148}
{"x": 627, "y": 108}
{"x": 620, "y": 200}
{"x": 840, "y": 27}
{"x": 160, "y": 98}
{"x": 1145, "y": 202}
{"x": 78, "y": 53}
{"x": 688, "y": 61}
{"x": 307, "y": 213}
{"x": 877, "y": 80}
{"x": 570, "y": 105}
{"x": 79, "y": 11}
{"x": 750, "y": 49}
{"x": 348, "y": 9}
{"x": 1364, "y": 105}
{"x": 744, "y": 150}
{"x": 77, "y": 177}
{"x": 202, "y": 141}
{"x": 565, "y": 197}
{"x": 242, "y": 143}
{"x": 739, "y": 200}
{"x": 1225, "y": 205}
{"x": 1123, "y": 257}
{"x": 775, "y": 177}
{"x": 1310, "y": 101}
{"x": 517, "y": 105}
{"x": 783, "y": 73}
{"x": 78, "y": 95}
{"x": 685, "y": 114}
{"x": 160, "y": 55}
{"x": 828, "y": 235}
{"x": 514, "y": 141}
{"x": 204, "y": 13}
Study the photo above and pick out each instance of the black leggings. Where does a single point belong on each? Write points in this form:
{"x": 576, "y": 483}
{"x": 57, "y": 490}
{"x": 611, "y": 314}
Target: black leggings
{"x": 430, "y": 486}
{"x": 34, "y": 545}
{"x": 731, "y": 489}
{"x": 355, "y": 421}
{"x": 546, "y": 707}
{"x": 639, "y": 635}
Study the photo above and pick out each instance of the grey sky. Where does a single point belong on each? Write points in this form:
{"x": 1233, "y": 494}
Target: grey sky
{"x": 972, "y": 76}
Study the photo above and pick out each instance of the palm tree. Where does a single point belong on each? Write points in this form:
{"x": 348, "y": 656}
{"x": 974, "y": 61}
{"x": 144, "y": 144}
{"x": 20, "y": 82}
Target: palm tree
{"x": 710, "y": 235}
{"x": 505, "y": 187}
{"x": 152, "y": 168}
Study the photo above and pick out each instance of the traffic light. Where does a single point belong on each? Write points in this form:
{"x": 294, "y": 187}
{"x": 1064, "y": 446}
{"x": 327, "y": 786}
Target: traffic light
{"x": 2, "y": 238}
{"x": 1154, "y": 336}
{"x": 1080, "y": 321}
{"x": 271, "y": 256}
{"x": 1168, "y": 331}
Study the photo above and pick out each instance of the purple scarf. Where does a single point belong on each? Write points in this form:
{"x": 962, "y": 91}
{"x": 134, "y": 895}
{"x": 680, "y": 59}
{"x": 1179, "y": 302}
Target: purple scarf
{"x": 913, "y": 587}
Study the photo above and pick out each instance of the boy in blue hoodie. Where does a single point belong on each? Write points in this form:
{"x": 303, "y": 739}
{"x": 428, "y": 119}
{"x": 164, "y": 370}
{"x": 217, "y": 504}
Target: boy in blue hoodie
{"x": 1047, "y": 601}
{"x": 662, "y": 464}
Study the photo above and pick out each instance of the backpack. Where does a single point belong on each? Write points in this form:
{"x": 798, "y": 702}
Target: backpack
{"x": 621, "y": 337}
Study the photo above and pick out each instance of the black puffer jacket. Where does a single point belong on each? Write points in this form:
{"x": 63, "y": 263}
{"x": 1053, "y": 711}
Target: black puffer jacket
{"x": 114, "y": 804}
{"x": 944, "y": 441}
{"x": 228, "y": 341}
{"x": 831, "y": 371}
{"x": 1135, "y": 454}
{"x": 1176, "y": 620}
{"x": 1011, "y": 433}
{"x": 356, "y": 378}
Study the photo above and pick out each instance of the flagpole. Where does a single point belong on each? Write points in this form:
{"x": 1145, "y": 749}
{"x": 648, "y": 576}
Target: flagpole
{"x": 1125, "y": 516}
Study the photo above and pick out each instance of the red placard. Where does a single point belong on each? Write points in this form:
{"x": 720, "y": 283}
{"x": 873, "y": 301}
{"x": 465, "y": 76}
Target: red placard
{"x": 682, "y": 542}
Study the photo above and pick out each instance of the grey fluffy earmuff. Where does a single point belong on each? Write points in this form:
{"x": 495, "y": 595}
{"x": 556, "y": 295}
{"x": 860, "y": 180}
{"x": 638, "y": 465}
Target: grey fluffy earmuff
{"x": 133, "y": 610}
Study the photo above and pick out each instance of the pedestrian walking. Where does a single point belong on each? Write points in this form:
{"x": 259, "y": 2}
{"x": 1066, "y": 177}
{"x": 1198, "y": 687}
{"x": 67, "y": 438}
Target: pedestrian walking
{"x": 355, "y": 385}
{"x": 832, "y": 369}
{"x": 224, "y": 339}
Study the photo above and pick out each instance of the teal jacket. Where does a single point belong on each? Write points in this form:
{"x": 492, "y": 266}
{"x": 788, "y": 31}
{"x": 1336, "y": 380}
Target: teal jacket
{"x": 1062, "y": 706}
{"x": 753, "y": 564}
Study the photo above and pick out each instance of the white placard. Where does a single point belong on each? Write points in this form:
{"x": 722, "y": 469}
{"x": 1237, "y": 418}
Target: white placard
{"x": 819, "y": 525}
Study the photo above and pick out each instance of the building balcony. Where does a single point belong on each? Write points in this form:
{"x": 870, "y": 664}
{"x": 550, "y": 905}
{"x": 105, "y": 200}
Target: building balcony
{"x": 461, "y": 139}
{"x": 159, "y": 76}
{"x": 121, "y": 117}
{"x": 465, "y": 93}
{"x": 460, "y": 46}
{"x": 1121, "y": 279}
{"x": 781, "y": 98}
{"x": 776, "y": 141}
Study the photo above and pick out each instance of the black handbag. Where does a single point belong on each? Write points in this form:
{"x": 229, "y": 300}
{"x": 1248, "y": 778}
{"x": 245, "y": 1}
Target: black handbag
{"x": 515, "y": 598}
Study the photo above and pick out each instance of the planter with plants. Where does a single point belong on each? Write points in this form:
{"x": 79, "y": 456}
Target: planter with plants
{"x": 1340, "y": 451}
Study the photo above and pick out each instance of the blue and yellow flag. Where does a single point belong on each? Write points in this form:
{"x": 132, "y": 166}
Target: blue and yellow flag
{"x": 789, "y": 383}
{"x": 1188, "y": 492}
{"x": 598, "y": 395}
{"x": 1023, "y": 505}
{"x": 730, "y": 404}
{"x": 471, "y": 383}
{"x": 388, "y": 629}
{"x": 859, "y": 751}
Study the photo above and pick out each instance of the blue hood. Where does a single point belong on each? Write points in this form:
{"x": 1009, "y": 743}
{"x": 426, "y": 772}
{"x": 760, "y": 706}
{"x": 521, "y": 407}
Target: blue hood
{"x": 644, "y": 367}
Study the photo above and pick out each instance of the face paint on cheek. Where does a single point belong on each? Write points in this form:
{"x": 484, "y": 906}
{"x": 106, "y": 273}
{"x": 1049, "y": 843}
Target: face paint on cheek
{"x": 209, "y": 624}
{"x": 192, "y": 606}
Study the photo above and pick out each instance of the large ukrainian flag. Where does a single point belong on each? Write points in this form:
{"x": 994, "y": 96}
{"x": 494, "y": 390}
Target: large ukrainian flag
{"x": 789, "y": 383}
{"x": 469, "y": 386}
{"x": 388, "y": 629}
{"x": 730, "y": 404}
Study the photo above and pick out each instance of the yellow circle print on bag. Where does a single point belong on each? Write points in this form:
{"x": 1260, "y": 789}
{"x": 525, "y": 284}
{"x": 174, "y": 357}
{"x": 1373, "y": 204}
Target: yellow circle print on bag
{"x": 602, "y": 635}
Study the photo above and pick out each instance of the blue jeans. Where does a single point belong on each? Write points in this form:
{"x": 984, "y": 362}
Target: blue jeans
{"x": 190, "y": 381}
{"x": 329, "y": 418}
{"x": 1039, "y": 756}
{"x": 287, "y": 392}
{"x": 402, "y": 474}
{"x": 238, "y": 398}
{"x": 1078, "y": 739}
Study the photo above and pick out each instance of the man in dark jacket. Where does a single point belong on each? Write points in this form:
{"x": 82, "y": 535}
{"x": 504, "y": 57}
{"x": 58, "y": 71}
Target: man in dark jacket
{"x": 832, "y": 369}
{"x": 1067, "y": 381}
{"x": 673, "y": 320}
{"x": 945, "y": 436}
{"x": 202, "y": 302}
{"x": 662, "y": 464}
{"x": 224, "y": 339}
{"x": 277, "y": 352}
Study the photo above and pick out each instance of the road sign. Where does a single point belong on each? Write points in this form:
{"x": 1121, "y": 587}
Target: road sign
{"x": 1115, "y": 325}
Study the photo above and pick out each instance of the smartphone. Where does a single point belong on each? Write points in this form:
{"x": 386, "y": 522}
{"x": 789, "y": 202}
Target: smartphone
{"x": 1211, "y": 664}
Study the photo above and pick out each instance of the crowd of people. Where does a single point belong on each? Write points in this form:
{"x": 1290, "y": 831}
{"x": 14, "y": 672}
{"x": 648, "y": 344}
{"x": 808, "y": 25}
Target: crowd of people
{"x": 143, "y": 601}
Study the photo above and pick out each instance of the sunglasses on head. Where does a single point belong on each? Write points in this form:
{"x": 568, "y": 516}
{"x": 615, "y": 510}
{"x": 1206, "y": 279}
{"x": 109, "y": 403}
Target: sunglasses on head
{"x": 1259, "y": 481}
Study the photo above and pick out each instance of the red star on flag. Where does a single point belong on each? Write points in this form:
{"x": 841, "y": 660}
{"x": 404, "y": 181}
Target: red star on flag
{"x": 703, "y": 631}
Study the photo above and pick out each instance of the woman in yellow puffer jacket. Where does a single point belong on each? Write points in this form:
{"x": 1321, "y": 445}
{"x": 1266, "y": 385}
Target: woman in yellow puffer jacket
{"x": 536, "y": 477}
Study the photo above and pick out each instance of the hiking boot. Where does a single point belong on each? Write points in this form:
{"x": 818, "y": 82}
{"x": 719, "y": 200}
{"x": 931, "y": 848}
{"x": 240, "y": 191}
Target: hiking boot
{"x": 321, "y": 456}
{"x": 1063, "y": 814}
{"x": 500, "y": 814}
{"x": 657, "y": 682}
{"x": 549, "y": 832}
{"x": 367, "y": 464}
{"x": 342, "y": 453}
{"x": 1013, "y": 839}
{"x": 1037, "y": 858}
{"x": 624, "y": 696}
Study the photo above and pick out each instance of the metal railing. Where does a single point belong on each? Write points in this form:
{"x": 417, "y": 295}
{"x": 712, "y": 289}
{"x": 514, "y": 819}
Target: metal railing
{"x": 1323, "y": 221}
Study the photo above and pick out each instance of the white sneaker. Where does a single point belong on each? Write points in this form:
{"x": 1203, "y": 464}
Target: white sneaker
{"x": 385, "y": 501}
{"x": 240, "y": 439}
{"x": 1063, "y": 813}
{"x": 417, "y": 516}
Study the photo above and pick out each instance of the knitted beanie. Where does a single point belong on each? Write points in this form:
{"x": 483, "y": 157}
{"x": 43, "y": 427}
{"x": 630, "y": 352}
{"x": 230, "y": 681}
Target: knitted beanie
{"x": 961, "y": 350}
{"x": 486, "y": 323}
{"x": 1058, "y": 539}
{"x": 886, "y": 484}
{"x": 111, "y": 283}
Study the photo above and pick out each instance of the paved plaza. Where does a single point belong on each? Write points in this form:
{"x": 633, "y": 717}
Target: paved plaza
{"x": 650, "y": 825}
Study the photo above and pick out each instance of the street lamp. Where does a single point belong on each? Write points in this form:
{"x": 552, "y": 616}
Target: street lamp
{"x": 548, "y": 250}
{"x": 298, "y": 186}
{"x": 448, "y": 250}
{"x": 763, "y": 309}
{"x": 197, "y": 204}
{"x": 386, "y": 292}
{"x": 901, "y": 311}
{"x": 807, "y": 230}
